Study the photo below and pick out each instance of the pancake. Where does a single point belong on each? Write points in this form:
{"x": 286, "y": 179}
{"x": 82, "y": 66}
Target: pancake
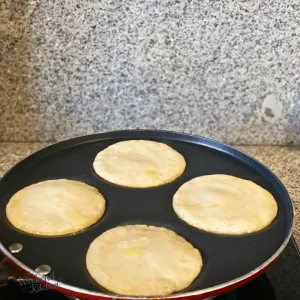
{"x": 55, "y": 207}
{"x": 225, "y": 204}
{"x": 139, "y": 164}
{"x": 141, "y": 260}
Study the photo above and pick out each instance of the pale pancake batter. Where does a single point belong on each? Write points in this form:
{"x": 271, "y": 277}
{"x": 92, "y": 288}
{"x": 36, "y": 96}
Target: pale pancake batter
{"x": 55, "y": 207}
{"x": 225, "y": 204}
{"x": 139, "y": 164}
{"x": 140, "y": 260}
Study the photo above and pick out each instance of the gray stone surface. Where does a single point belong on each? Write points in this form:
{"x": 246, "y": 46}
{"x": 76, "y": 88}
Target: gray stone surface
{"x": 228, "y": 70}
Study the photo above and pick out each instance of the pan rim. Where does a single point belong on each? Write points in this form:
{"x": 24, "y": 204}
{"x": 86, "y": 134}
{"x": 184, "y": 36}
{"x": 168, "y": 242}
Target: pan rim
{"x": 211, "y": 143}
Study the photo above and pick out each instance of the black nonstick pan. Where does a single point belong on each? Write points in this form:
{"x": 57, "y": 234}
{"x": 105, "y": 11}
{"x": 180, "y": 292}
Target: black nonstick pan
{"x": 229, "y": 261}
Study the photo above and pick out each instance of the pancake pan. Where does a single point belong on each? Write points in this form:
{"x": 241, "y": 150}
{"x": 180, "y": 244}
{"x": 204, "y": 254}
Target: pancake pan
{"x": 228, "y": 260}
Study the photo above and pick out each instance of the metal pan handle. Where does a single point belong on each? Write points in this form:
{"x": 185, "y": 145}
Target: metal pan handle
{"x": 3, "y": 275}
{"x": 8, "y": 272}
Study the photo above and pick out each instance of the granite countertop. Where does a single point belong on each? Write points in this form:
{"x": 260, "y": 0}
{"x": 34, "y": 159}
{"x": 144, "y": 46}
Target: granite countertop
{"x": 79, "y": 67}
{"x": 284, "y": 161}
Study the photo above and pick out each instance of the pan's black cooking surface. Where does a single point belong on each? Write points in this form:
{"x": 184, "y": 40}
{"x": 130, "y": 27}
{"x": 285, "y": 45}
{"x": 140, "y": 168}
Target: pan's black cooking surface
{"x": 225, "y": 257}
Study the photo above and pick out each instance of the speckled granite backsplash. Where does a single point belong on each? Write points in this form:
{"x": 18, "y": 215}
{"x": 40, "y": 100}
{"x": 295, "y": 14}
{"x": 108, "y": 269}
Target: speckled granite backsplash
{"x": 229, "y": 70}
